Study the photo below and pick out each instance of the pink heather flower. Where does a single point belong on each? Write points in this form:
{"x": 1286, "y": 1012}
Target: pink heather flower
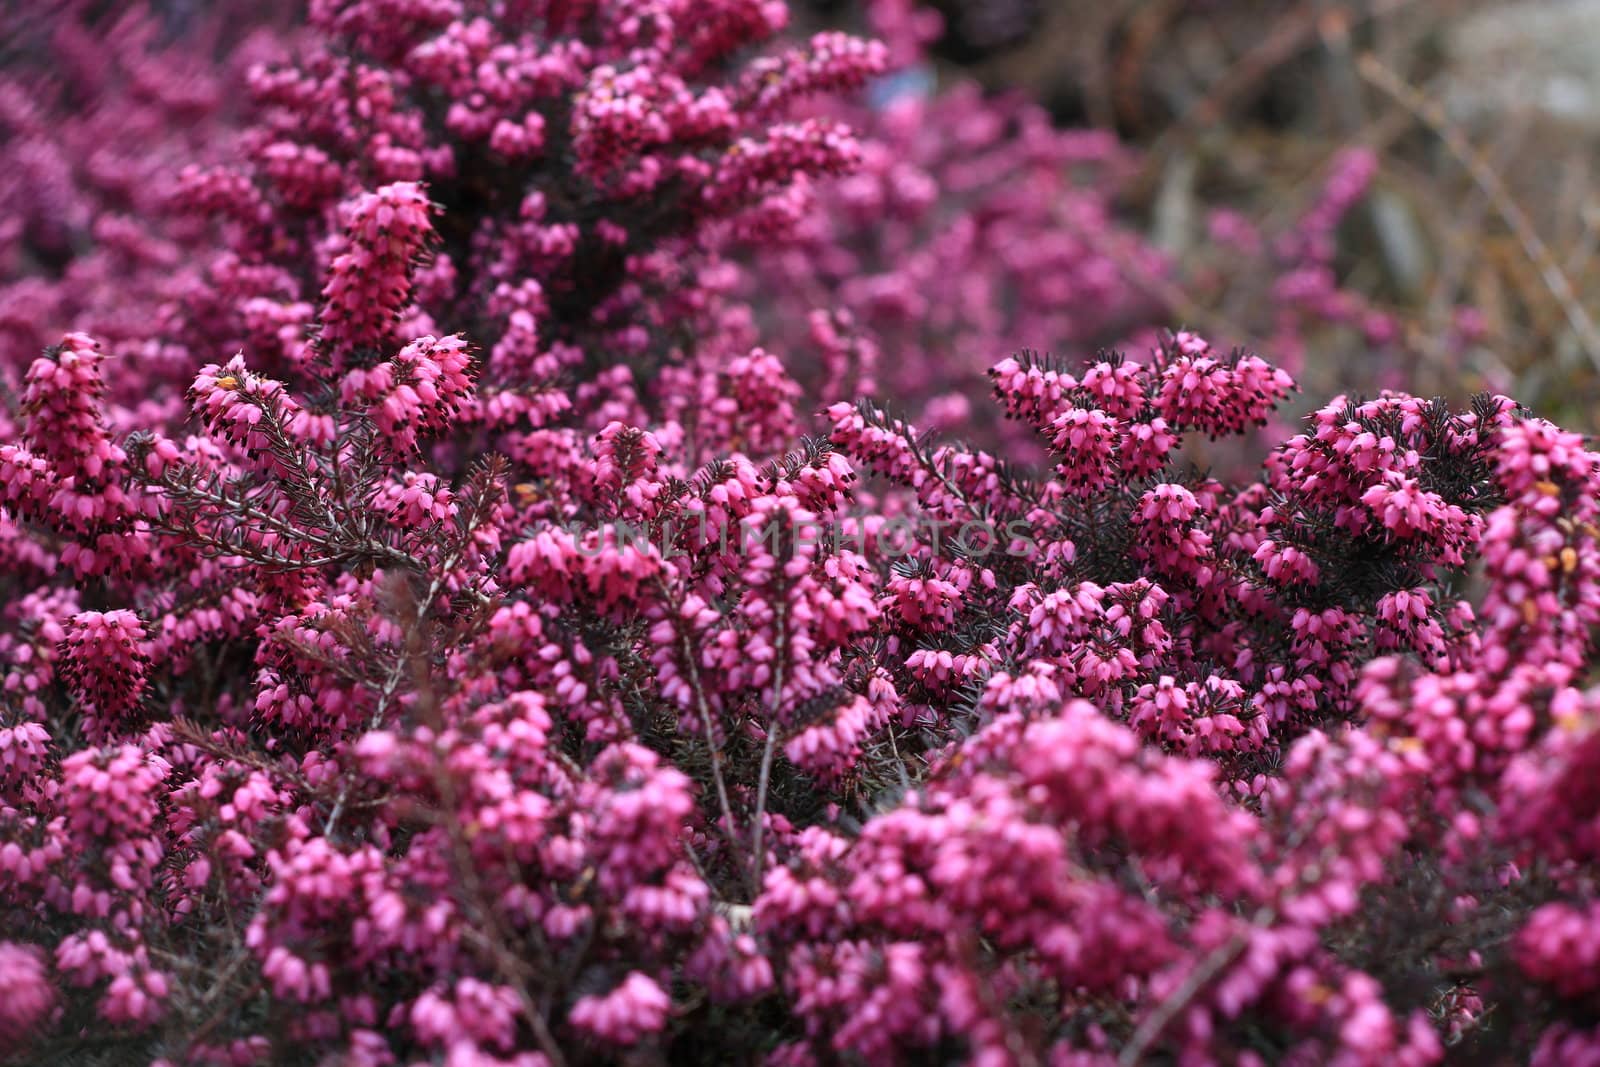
{"x": 368, "y": 285}
{"x": 417, "y": 501}
{"x": 1217, "y": 396}
{"x": 135, "y": 999}
{"x": 418, "y": 392}
{"x": 60, "y": 405}
{"x": 104, "y": 659}
{"x": 24, "y": 747}
{"x": 112, "y": 791}
{"x": 240, "y": 406}
{"x": 477, "y": 1013}
{"x": 1560, "y": 946}
{"x": 830, "y": 748}
{"x": 635, "y": 1008}
{"x": 751, "y": 166}
{"x": 27, "y": 994}
{"x": 1087, "y": 441}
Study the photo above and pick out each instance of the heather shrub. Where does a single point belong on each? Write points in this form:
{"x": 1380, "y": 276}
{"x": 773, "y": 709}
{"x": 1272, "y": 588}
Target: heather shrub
{"x": 440, "y": 626}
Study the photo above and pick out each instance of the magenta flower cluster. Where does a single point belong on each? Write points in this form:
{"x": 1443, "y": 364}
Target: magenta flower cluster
{"x": 415, "y": 647}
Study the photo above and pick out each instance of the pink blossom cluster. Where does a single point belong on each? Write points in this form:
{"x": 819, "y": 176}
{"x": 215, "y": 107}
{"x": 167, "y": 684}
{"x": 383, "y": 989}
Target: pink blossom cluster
{"x": 438, "y": 626}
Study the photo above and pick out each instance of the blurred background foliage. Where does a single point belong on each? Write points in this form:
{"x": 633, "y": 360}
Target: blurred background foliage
{"x": 1479, "y": 233}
